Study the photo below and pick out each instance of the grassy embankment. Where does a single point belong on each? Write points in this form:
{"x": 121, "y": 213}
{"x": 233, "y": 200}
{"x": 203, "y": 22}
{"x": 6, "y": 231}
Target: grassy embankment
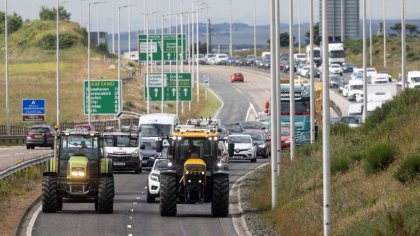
{"x": 32, "y": 73}
{"x": 375, "y": 178}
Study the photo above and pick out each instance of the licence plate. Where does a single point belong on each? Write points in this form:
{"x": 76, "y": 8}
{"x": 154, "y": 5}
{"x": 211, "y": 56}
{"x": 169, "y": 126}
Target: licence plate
{"x": 145, "y": 161}
{"x": 118, "y": 164}
{"x": 238, "y": 157}
{"x": 38, "y": 136}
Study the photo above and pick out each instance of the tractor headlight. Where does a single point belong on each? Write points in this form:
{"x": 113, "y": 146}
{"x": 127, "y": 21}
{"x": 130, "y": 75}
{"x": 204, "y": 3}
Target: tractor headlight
{"x": 154, "y": 177}
{"x": 77, "y": 172}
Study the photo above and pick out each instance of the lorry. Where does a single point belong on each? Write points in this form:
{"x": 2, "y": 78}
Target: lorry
{"x": 195, "y": 171}
{"x": 336, "y": 53}
{"x": 355, "y": 87}
{"x": 316, "y": 52}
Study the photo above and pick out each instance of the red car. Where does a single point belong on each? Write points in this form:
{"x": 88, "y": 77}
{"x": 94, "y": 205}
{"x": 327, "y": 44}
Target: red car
{"x": 285, "y": 138}
{"x": 237, "y": 77}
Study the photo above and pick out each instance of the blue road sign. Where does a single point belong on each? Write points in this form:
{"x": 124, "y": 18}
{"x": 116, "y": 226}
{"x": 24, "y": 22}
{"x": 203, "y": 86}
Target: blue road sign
{"x": 33, "y": 106}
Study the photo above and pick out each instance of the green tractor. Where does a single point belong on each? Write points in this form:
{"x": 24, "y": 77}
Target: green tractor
{"x": 195, "y": 172}
{"x": 78, "y": 172}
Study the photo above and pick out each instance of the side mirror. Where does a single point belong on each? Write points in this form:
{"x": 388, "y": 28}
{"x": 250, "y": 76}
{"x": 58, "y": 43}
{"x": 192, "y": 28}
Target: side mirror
{"x": 142, "y": 147}
{"x": 159, "y": 146}
{"x": 231, "y": 149}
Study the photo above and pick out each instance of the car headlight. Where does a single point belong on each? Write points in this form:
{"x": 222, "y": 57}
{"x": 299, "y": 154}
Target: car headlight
{"x": 135, "y": 153}
{"x": 154, "y": 177}
{"x": 250, "y": 149}
{"x": 78, "y": 172}
{"x": 261, "y": 145}
{"x": 287, "y": 141}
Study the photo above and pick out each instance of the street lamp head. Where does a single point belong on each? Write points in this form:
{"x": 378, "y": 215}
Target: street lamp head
{"x": 126, "y": 6}
{"x": 94, "y": 3}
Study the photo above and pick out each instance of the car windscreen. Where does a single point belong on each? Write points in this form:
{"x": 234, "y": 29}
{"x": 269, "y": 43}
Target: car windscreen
{"x": 39, "y": 130}
{"x": 161, "y": 164}
{"x": 336, "y": 54}
{"x": 358, "y": 87}
{"x": 239, "y": 139}
{"x": 155, "y": 130}
{"x": 149, "y": 145}
{"x": 121, "y": 141}
{"x": 256, "y": 136}
{"x": 285, "y": 132}
{"x": 234, "y": 128}
{"x": 317, "y": 53}
{"x": 300, "y": 107}
{"x": 251, "y": 125}
{"x": 415, "y": 79}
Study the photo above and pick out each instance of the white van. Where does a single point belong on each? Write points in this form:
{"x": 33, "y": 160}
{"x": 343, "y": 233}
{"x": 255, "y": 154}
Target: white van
{"x": 220, "y": 59}
{"x": 355, "y": 87}
{"x": 157, "y": 124}
{"x": 355, "y": 109}
{"x": 381, "y": 78}
{"x": 413, "y": 79}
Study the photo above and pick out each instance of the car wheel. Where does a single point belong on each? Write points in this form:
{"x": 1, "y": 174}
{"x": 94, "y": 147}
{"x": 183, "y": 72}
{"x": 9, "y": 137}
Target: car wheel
{"x": 32, "y": 147}
{"x": 28, "y": 147}
{"x": 254, "y": 160}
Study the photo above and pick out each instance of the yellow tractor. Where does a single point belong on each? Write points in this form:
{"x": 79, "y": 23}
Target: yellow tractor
{"x": 196, "y": 171}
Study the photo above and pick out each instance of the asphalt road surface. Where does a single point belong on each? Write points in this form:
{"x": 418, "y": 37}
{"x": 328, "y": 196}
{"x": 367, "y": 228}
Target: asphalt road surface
{"x": 133, "y": 216}
{"x": 12, "y": 155}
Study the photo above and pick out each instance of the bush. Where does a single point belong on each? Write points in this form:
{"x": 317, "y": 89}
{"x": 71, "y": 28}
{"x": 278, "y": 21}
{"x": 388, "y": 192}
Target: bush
{"x": 340, "y": 128}
{"x": 357, "y": 156}
{"x": 353, "y": 46}
{"x": 340, "y": 164}
{"x": 379, "y": 157}
{"x": 409, "y": 170}
{"x": 48, "y": 41}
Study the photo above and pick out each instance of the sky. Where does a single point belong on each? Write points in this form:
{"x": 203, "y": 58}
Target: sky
{"x": 218, "y": 10}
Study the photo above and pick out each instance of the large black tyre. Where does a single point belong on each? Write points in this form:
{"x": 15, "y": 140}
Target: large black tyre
{"x": 106, "y": 195}
{"x": 150, "y": 197}
{"x": 220, "y": 198}
{"x": 49, "y": 194}
{"x": 168, "y": 195}
{"x": 254, "y": 160}
{"x": 59, "y": 203}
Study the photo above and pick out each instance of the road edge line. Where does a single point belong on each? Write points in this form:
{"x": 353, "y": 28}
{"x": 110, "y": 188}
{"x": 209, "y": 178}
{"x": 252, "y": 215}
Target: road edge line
{"x": 216, "y": 114}
{"x": 242, "y": 220}
{"x": 29, "y": 217}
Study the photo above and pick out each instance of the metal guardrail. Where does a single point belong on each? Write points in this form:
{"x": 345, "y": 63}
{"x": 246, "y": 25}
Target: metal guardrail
{"x": 21, "y": 166}
{"x": 12, "y": 138}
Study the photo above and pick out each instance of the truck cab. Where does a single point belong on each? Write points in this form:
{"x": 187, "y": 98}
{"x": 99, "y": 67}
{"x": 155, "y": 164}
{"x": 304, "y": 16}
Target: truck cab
{"x": 413, "y": 79}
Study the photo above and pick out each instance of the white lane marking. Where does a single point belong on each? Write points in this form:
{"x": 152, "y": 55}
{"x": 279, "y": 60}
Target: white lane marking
{"x": 268, "y": 92}
{"x": 32, "y": 222}
{"x": 131, "y": 210}
{"x": 137, "y": 198}
{"x": 248, "y": 113}
{"x": 239, "y": 91}
{"x": 130, "y": 234}
{"x": 131, "y": 218}
{"x": 253, "y": 108}
{"x": 128, "y": 226}
{"x": 135, "y": 203}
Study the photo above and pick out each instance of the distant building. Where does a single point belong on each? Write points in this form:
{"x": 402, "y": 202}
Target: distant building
{"x": 351, "y": 19}
{"x": 102, "y": 38}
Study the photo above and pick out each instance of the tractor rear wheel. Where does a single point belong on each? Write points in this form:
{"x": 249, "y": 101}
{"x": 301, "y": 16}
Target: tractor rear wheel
{"x": 106, "y": 195}
{"x": 49, "y": 194}
{"x": 220, "y": 198}
{"x": 168, "y": 194}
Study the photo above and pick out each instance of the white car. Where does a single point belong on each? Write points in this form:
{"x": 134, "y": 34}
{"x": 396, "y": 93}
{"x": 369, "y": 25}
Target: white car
{"x": 336, "y": 69}
{"x": 153, "y": 182}
{"x": 346, "y": 90}
{"x": 359, "y": 97}
{"x": 244, "y": 147}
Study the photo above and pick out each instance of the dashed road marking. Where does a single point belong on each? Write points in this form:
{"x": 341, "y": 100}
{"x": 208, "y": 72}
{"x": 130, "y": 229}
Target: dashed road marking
{"x": 138, "y": 197}
{"x": 128, "y": 226}
{"x": 131, "y": 210}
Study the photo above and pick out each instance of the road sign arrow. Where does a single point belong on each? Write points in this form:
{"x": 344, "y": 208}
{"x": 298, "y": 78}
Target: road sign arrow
{"x": 156, "y": 92}
{"x": 173, "y": 91}
{"x": 185, "y": 91}
{"x": 169, "y": 56}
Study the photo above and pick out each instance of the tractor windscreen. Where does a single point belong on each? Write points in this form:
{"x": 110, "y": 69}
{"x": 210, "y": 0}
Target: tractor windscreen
{"x": 79, "y": 146}
{"x": 194, "y": 147}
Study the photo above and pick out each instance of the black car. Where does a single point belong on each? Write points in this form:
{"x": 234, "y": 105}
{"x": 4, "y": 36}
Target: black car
{"x": 40, "y": 136}
{"x": 234, "y": 128}
{"x": 347, "y": 67}
{"x": 335, "y": 81}
{"x": 148, "y": 152}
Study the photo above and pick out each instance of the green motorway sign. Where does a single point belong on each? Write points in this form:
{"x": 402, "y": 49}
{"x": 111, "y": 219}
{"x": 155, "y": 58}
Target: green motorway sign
{"x": 169, "y": 47}
{"x": 169, "y": 87}
{"x": 104, "y": 97}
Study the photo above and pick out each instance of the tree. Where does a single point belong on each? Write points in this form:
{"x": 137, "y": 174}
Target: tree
{"x": 411, "y": 29}
{"x": 317, "y": 35}
{"x": 14, "y": 22}
{"x": 51, "y": 13}
{"x": 284, "y": 40}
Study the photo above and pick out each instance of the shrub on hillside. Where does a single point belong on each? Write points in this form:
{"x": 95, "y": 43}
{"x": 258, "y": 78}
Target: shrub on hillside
{"x": 14, "y": 22}
{"x": 48, "y": 41}
{"x": 340, "y": 128}
{"x": 353, "y": 46}
{"x": 340, "y": 164}
{"x": 379, "y": 157}
{"x": 409, "y": 170}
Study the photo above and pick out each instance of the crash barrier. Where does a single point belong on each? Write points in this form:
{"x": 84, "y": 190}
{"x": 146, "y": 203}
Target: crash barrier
{"x": 14, "y": 130}
{"x": 23, "y": 165}
{"x": 12, "y": 139}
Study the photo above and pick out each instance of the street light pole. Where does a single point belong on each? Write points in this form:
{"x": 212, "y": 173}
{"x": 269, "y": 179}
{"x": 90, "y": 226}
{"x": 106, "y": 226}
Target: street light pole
{"x": 384, "y": 30}
{"x": 312, "y": 86}
{"x": 255, "y": 28}
{"x": 326, "y": 124}
{"x": 299, "y": 9}
{"x": 230, "y": 30}
{"x": 113, "y": 27}
{"x": 97, "y": 24}
{"x": 58, "y": 64}
{"x": 364, "y": 61}
{"x": 6, "y": 45}
{"x": 403, "y": 44}
{"x": 291, "y": 83}
{"x": 277, "y": 97}
{"x": 129, "y": 29}
{"x": 342, "y": 20}
{"x": 370, "y": 35}
{"x": 89, "y": 65}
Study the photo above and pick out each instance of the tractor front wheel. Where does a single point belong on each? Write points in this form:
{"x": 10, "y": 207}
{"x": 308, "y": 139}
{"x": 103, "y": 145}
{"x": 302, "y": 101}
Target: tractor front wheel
{"x": 49, "y": 194}
{"x": 220, "y": 198}
{"x": 168, "y": 195}
{"x": 106, "y": 195}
